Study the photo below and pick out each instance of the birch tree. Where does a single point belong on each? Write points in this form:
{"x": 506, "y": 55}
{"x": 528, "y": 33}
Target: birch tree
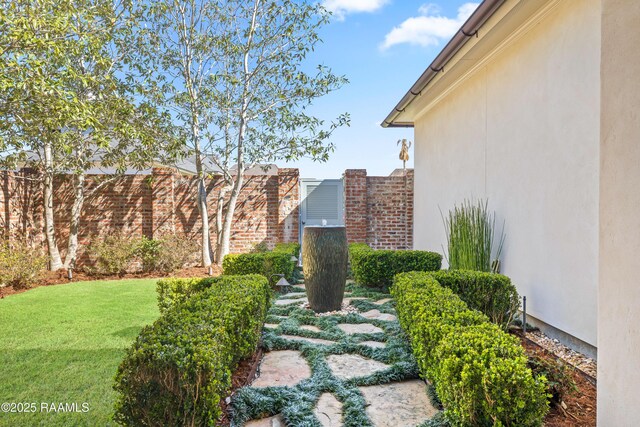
{"x": 63, "y": 108}
{"x": 236, "y": 74}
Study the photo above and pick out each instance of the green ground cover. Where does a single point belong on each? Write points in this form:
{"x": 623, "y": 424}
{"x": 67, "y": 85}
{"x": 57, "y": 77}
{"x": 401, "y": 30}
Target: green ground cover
{"x": 63, "y": 344}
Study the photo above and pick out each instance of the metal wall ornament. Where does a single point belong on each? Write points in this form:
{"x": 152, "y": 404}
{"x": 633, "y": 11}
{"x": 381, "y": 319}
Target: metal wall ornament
{"x": 404, "y": 151}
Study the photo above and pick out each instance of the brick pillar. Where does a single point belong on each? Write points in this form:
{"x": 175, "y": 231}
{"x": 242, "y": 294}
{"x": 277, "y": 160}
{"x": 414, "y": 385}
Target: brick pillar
{"x": 288, "y": 204}
{"x": 409, "y": 209}
{"x": 355, "y": 205}
{"x": 162, "y": 202}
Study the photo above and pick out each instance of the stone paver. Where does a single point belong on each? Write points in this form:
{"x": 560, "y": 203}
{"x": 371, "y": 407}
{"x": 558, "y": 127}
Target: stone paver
{"x": 307, "y": 339}
{"x": 347, "y": 366}
{"x": 359, "y": 328}
{"x": 376, "y": 314}
{"x": 401, "y": 404}
{"x": 374, "y": 344}
{"x": 290, "y": 301}
{"x": 328, "y": 410}
{"x": 282, "y": 368}
{"x": 275, "y": 421}
{"x": 348, "y": 300}
{"x": 294, "y": 295}
{"x": 395, "y": 404}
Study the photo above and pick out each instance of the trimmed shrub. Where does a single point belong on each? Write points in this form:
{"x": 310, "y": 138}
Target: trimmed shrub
{"x": 490, "y": 293}
{"x": 378, "y": 267}
{"x": 483, "y": 379}
{"x": 265, "y": 263}
{"x": 292, "y": 248}
{"x": 359, "y": 247}
{"x": 20, "y": 265}
{"x": 180, "y": 367}
{"x": 480, "y": 372}
{"x": 172, "y": 291}
{"x": 165, "y": 255}
{"x": 428, "y": 311}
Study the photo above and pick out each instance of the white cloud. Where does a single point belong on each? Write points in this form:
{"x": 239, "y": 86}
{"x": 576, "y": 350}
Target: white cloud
{"x": 340, "y": 8}
{"x": 428, "y": 29}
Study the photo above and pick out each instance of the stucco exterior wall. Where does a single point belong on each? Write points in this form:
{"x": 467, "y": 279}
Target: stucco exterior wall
{"x": 619, "y": 290}
{"x": 523, "y": 131}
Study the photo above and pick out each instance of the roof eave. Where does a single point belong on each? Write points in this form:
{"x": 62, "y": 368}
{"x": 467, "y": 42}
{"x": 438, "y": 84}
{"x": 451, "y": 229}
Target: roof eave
{"x": 469, "y": 29}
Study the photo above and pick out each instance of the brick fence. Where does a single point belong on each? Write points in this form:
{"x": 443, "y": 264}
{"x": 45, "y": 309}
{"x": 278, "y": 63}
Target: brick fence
{"x": 379, "y": 209}
{"x": 151, "y": 205}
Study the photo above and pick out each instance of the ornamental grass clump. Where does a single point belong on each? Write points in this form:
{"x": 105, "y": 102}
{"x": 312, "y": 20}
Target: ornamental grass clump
{"x": 470, "y": 232}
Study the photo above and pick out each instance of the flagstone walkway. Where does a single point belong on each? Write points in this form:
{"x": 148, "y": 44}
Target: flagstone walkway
{"x": 344, "y": 369}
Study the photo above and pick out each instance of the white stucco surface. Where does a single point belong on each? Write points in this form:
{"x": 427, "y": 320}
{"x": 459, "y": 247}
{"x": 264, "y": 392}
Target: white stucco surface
{"x": 619, "y": 287}
{"x": 524, "y": 131}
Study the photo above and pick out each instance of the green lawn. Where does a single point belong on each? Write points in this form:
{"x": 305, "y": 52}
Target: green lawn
{"x": 63, "y": 344}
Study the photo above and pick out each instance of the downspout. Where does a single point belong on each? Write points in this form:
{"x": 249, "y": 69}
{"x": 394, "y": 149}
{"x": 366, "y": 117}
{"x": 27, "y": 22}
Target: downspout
{"x": 469, "y": 29}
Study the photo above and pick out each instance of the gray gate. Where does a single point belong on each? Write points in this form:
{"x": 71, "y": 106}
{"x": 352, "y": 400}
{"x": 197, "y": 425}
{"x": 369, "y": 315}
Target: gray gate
{"x": 321, "y": 200}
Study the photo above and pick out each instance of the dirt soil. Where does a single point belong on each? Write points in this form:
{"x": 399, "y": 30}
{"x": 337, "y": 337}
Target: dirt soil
{"x": 581, "y": 405}
{"x": 60, "y": 277}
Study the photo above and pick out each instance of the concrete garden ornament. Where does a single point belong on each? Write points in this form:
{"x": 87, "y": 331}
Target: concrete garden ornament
{"x": 324, "y": 260}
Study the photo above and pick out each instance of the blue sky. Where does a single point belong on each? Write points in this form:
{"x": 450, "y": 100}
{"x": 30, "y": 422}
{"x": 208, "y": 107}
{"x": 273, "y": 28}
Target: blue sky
{"x": 382, "y": 47}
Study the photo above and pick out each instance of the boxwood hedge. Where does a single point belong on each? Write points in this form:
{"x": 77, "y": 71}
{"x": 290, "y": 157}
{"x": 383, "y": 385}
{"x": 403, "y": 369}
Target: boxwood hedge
{"x": 173, "y": 291}
{"x": 292, "y": 248}
{"x": 480, "y": 372}
{"x": 490, "y": 293}
{"x": 180, "y": 367}
{"x": 378, "y": 267}
{"x": 264, "y": 263}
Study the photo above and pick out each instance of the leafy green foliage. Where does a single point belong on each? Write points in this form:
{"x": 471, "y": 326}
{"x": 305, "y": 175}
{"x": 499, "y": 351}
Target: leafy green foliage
{"x": 483, "y": 379}
{"x": 265, "y": 263}
{"x": 292, "y": 248}
{"x": 112, "y": 255}
{"x": 470, "y": 237}
{"x": 174, "y": 291}
{"x": 65, "y": 103}
{"x": 558, "y": 374}
{"x": 21, "y": 265}
{"x": 237, "y": 84}
{"x": 179, "y": 368}
{"x": 480, "y": 372}
{"x": 378, "y": 267}
{"x": 165, "y": 255}
{"x": 490, "y": 293}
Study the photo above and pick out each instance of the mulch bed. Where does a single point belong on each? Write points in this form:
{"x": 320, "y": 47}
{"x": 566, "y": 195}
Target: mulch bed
{"x": 581, "y": 405}
{"x": 244, "y": 375}
{"x": 60, "y": 277}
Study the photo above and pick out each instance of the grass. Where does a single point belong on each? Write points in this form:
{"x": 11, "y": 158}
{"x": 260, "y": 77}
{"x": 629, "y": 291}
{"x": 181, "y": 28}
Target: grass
{"x": 470, "y": 230}
{"x": 63, "y": 344}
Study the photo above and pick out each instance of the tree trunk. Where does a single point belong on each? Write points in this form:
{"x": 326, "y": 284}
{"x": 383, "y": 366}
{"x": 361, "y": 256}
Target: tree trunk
{"x": 204, "y": 216}
{"x": 225, "y": 239}
{"x": 324, "y": 261}
{"x": 55, "y": 262}
{"x": 74, "y": 223}
{"x": 220, "y": 218}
